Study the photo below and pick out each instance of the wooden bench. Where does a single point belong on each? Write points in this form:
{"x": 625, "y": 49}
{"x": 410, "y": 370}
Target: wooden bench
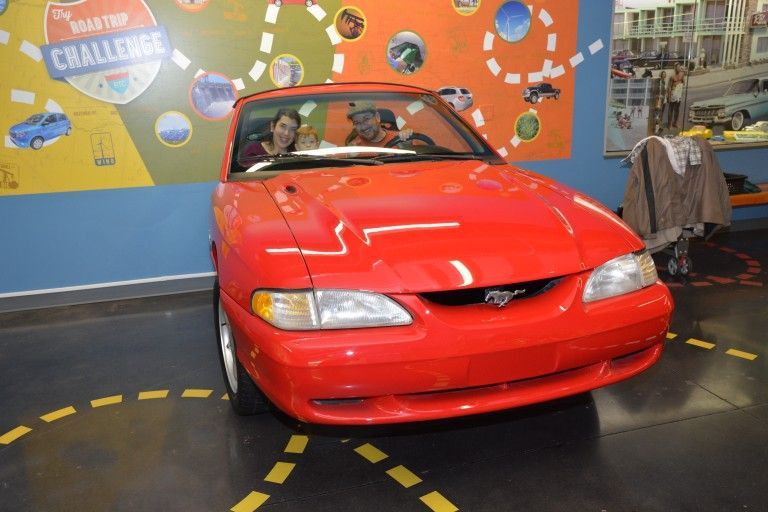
{"x": 752, "y": 199}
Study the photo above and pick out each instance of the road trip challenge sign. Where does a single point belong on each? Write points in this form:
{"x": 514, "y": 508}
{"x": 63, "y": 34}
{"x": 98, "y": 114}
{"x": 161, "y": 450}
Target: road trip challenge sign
{"x": 110, "y": 50}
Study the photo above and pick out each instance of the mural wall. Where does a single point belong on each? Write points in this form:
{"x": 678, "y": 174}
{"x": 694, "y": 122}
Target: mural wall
{"x": 100, "y": 94}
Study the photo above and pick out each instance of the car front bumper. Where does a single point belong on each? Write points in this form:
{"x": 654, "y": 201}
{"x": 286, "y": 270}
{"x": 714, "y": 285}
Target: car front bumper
{"x": 707, "y": 119}
{"x": 455, "y": 361}
{"x": 19, "y": 142}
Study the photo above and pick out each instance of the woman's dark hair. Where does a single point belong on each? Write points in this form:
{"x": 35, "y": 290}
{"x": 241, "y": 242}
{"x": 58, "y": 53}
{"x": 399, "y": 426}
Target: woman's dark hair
{"x": 282, "y": 112}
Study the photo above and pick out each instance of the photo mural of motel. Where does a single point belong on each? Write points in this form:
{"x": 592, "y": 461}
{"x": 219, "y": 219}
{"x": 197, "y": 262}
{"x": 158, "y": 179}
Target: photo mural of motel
{"x": 721, "y": 47}
{"x": 102, "y": 94}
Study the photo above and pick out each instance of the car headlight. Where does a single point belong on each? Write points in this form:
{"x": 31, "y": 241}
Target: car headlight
{"x": 299, "y": 310}
{"x": 721, "y": 112}
{"x": 620, "y": 275}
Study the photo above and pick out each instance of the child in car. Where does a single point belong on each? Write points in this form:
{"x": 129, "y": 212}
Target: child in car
{"x": 307, "y": 138}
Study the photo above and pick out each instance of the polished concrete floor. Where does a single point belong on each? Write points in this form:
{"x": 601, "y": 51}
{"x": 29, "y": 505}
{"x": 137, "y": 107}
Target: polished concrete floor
{"x": 118, "y": 406}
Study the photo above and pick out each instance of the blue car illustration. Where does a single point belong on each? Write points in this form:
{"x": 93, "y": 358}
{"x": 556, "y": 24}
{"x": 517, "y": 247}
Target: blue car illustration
{"x": 39, "y": 128}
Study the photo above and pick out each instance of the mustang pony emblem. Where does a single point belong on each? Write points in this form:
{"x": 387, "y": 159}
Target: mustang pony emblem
{"x": 501, "y": 297}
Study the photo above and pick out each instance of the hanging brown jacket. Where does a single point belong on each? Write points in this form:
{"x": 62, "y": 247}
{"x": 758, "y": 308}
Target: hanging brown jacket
{"x": 699, "y": 196}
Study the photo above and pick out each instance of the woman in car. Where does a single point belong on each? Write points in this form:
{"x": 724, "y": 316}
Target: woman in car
{"x": 281, "y": 137}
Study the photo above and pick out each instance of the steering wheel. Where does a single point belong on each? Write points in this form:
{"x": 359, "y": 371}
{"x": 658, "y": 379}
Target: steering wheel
{"x": 414, "y": 136}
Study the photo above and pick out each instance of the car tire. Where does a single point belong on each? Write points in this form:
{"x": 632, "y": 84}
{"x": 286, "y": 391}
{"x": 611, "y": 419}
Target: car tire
{"x": 36, "y": 142}
{"x": 244, "y": 396}
{"x": 534, "y": 97}
{"x": 278, "y": 3}
{"x": 308, "y": 3}
{"x": 69, "y": 131}
{"x": 738, "y": 119}
{"x": 557, "y": 95}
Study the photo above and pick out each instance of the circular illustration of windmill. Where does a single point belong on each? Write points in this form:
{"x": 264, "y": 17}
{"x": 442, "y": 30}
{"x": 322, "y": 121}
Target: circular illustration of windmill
{"x": 513, "y": 21}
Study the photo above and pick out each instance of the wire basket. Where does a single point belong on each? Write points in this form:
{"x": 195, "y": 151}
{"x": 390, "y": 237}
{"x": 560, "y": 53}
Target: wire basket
{"x": 735, "y": 183}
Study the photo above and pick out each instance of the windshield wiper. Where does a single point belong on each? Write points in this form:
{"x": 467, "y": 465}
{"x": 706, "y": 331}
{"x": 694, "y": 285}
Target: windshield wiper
{"x": 415, "y": 157}
{"x": 292, "y": 161}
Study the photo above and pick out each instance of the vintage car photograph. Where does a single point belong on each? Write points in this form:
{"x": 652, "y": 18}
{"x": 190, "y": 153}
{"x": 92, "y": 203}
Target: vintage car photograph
{"x": 744, "y": 102}
{"x": 397, "y": 269}
{"x": 38, "y": 129}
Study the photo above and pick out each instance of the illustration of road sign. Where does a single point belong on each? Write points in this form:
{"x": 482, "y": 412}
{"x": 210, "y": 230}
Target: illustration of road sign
{"x": 110, "y": 50}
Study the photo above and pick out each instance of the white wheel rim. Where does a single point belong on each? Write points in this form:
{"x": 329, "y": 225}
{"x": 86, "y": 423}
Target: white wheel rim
{"x": 227, "y": 349}
{"x": 738, "y": 120}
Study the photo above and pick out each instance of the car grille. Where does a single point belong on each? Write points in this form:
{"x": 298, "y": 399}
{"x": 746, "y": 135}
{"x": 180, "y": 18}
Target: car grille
{"x": 706, "y": 111}
{"x": 471, "y": 296}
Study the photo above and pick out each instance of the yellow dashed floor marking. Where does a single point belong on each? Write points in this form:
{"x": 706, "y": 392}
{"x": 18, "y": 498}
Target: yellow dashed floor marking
{"x": 280, "y": 472}
{"x": 404, "y": 476}
{"x": 699, "y": 343}
{"x": 196, "y": 393}
{"x": 371, "y": 453}
{"x": 225, "y": 396}
{"x": 743, "y": 355}
{"x": 14, "y": 434}
{"x": 297, "y": 444}
{"x": 152, "y": 395}
{"x": 251, "y": 502}
{"x": 671, "y": 335}
{"x": 107, "y": 400}
{"x": 57, "y": 415}
{"x": 438, "y": 503}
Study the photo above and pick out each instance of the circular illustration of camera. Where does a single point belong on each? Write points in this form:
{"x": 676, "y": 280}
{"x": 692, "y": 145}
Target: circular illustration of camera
{"x": 406, "y": 52}
{"x": 173, "y": 129}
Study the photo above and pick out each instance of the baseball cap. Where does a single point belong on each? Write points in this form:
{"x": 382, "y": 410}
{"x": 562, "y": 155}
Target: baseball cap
{"x": 358, "y": 107}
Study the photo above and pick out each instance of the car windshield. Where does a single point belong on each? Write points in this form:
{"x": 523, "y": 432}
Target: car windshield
{"x": 35, "y": 119}
{"x": 436, "y": 133}
{"x": 741, "y": 87}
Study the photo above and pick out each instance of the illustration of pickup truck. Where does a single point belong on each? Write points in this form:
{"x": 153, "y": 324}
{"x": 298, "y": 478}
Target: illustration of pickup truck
{"x": 538, "y": 91}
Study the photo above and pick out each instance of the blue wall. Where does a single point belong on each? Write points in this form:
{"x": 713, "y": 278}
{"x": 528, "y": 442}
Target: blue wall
{"x": 73, "y": 239}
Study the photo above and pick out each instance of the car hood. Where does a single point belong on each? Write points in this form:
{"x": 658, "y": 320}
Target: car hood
{"x": 733, "y": 100}
{"x": 20, "y": 127}
{"x": 447, "y": 225}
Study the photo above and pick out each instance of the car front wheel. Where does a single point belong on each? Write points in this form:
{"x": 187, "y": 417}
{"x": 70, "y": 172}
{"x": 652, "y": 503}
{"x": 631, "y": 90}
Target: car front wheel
{"x": 36, "y": 143}
{"x": 243, "y": 394}
{"x": 534, "y": 98}
{"x": 737, "y": 121}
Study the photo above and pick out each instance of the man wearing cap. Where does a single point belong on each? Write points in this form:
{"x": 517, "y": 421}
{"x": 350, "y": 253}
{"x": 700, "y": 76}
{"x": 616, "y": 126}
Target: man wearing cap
{"x": 368, "y": 131}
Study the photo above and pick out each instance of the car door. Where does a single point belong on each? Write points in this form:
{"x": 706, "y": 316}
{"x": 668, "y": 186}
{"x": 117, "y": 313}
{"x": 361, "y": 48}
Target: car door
{"x": 761, "y": 107}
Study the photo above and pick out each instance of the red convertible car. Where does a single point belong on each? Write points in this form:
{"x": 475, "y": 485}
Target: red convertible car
{"x": 378, "y": 262}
